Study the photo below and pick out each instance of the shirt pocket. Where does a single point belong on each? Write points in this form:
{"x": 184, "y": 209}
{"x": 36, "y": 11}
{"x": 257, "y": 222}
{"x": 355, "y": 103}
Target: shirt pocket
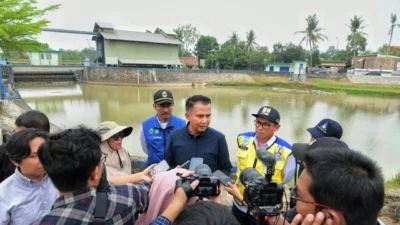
{"x": 242, "y": 158}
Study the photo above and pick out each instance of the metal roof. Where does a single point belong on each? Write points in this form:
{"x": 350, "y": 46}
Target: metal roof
{"x": 124, "y": 35}
{"x": 149, "y": 62}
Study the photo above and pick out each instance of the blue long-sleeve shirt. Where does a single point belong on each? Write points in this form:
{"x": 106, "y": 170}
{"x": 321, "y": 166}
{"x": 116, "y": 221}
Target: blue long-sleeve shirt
{"x": 210, "y": 145}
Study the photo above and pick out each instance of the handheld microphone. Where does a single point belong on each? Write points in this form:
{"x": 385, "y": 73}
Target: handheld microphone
{"x": 269, "y": 160}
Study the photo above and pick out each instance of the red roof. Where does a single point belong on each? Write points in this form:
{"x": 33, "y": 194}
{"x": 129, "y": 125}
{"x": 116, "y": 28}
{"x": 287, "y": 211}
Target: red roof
{"x": 396, "y": 48}
{"x": 189, "y": 61}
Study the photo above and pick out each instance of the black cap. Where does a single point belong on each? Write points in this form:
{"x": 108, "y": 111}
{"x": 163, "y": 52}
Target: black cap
{"x": 269, "y": 113}
{"x": 299, "y": 149}
{"x": 326, "y": 128}
{"x": 163, "y": 96}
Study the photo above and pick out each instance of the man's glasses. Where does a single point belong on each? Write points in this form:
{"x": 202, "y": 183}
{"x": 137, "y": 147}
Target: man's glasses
{"x": 118, "y": 135}
{"x": 264, "y": 125}
{"x": 103, "y": 157}
{"x": 295, "y": 197}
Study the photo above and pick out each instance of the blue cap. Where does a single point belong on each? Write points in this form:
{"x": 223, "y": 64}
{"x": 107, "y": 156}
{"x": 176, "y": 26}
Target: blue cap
{"x": 269, "y": 113}
{"x": 326, "y": 128}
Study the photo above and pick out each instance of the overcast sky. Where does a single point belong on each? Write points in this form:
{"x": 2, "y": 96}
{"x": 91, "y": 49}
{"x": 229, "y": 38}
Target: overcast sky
{"x": 272, "y": 21}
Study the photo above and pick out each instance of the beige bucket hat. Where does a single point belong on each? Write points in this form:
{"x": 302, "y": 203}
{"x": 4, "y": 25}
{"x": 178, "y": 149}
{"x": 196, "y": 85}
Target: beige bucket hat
{"x": 108, "y": 128}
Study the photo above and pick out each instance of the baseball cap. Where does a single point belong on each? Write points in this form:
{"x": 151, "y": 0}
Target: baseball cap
{"x": 326, "y": 128}
{"x": 268, "y": 113}
{"x": 163, "y": 96}
{"x": 299, "y": 149}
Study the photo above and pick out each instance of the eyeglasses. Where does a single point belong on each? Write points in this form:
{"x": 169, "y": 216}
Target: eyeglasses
{"x": 103, "y": 157}
{"x": 295, "y": 197}
{"x": 118, "y": 135}
{"x": 264, "y": 125}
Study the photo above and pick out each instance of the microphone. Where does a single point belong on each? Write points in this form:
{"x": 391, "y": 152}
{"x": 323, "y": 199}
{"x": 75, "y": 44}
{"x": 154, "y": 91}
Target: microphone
{"x": 269, "y": 160}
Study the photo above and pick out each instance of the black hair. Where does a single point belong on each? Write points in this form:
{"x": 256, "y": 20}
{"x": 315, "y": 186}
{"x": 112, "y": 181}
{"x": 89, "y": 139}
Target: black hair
{"x": 33, "y": 119}
{"x": 70, "y": 157}
{"x": 190, "y": 102}
{"x": 18, "y": 147}
{"x": 347, "y": 181}
{"x": 205, "y": 213}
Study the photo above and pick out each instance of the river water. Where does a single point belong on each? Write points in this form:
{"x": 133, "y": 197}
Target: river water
{"x": 371, "y": 124}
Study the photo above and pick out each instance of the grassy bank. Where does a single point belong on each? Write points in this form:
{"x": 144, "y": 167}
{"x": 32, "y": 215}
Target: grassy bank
{"x": 330, "y": 85}
{"x": 394, "y": 182}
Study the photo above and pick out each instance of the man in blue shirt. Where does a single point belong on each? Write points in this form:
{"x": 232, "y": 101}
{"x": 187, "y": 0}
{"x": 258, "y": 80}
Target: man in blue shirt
{"x": 157, "y": 129}
{"x": 197, "y": 139}
{"x": 28, "y": 194}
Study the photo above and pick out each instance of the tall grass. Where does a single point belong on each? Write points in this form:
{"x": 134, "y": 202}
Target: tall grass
{"x": 394, "y": 182}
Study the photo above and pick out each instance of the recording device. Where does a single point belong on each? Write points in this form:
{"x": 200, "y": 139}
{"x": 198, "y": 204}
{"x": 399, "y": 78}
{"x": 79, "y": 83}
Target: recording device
{"x": 194, "y": 162}
{"x": 208, "y": 186}
{"x": 161, "y": 167}
{"x": 260, "y": 192}
{"x": 223, "y": 178}
{"x": 185, "y": 164}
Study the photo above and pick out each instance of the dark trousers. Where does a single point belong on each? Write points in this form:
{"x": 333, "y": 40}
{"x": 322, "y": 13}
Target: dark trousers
{"x": 243, "y": 218}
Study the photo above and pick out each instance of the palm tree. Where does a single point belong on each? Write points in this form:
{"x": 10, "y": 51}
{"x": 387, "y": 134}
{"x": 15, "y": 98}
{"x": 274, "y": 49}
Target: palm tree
{"x": 312, "y": 34}
{"x": 234, "y": 39}
{"x": 356, "y": 25}
{"x": 251, "y": 37}
{"x": 393, "y": 20}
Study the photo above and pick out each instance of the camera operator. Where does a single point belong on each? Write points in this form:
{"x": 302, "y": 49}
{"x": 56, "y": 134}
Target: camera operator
{"x": 74, "y": 162}
{"x": 199, "y": 213}
{"x": 338, "y": 186}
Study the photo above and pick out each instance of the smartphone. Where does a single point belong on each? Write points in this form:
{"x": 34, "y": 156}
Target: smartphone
{"x": 161, "y": 167}
{"x": 194, "y": 162}
{"x": 185, "y": 164}
{"x": 223, "y": 178}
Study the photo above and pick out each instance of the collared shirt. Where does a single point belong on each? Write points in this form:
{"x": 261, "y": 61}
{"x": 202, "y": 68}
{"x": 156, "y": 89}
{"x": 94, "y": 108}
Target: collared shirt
{"x": 290, "y": 166}
{"x": 123, "y": 204}
{"x": 210, "y": 145}
{"x": 161, "y": 220}
{"x": 24, "y": 201}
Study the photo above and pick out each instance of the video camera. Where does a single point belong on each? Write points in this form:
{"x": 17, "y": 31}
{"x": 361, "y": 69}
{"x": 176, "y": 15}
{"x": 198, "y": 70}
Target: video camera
{"x": 209, "y": 184}
{"x": 260, "y": 192}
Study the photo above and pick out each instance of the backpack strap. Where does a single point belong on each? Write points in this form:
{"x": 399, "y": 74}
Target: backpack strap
{"x": 100, "y": 209}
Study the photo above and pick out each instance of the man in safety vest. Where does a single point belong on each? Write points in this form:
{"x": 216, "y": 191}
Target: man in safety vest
{"x": 267, "y": 122}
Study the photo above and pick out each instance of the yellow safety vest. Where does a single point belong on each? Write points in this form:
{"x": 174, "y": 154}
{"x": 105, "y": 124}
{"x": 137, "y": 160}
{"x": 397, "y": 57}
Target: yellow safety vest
{"x": 247, "y": 156}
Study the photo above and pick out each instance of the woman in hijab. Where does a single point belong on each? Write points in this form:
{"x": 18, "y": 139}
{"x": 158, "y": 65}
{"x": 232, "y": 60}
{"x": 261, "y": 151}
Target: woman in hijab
{"x": 118, "y": 160}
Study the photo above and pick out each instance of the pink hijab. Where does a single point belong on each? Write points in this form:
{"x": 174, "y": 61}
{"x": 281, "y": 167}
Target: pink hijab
{"x": 161, "y": 195}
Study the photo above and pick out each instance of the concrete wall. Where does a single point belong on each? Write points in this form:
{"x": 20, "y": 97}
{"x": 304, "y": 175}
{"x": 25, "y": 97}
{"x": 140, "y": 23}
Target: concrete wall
{"x": 361, "y": 79}
{"x": 136, "y": 76}
{"x": 137, "y": 50}
{"x": 373, "y": 62}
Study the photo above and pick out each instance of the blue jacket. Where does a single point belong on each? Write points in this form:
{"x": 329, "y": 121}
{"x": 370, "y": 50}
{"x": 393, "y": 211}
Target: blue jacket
{"x": 157, "y": 137}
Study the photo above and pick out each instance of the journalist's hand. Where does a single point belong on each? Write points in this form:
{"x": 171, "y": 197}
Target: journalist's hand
{"x": 234, "y": 191}
{"x": 180, "y": 195}
{"x": 311, "y": 220}
{"x": 145, "y": 174}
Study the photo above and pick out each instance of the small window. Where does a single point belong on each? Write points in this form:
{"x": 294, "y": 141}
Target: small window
{"x": 41, "y": 56}
{"x": 48, "y": 56}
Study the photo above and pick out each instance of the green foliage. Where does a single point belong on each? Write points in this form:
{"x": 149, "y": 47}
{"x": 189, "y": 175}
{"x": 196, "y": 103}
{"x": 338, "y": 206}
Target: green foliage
{"x": 312, "y": 34}
{"x": 287, "y": 53}
{"x": 258, "y": 58}
{"x": 394, "y": 182}
{"x": 20, "y": 21}
{"x": 328, "y": 54}
{"x": 384, "y": 49}
{"x": 356, "y": 41}
{"x": 343, "y": 56}
{"x": 89, "y": 53}
{"x": 188, "y": 34}
{"x": 205, "y": 46}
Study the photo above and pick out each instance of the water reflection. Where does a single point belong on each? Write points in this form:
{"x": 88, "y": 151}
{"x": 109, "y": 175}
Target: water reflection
{"x": 371, "y": 124}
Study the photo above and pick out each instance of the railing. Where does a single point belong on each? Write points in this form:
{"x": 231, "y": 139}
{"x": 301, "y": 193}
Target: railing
{"x": 44, "y": 62}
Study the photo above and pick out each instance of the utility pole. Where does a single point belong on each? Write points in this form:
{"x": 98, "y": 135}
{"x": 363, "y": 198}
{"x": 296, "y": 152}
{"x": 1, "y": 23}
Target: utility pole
{"x": 337, "y": 44}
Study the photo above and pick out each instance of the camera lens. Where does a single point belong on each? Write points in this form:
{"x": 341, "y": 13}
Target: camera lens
{"x": 202, "y": 170}
{"x": 250, "y": 174}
